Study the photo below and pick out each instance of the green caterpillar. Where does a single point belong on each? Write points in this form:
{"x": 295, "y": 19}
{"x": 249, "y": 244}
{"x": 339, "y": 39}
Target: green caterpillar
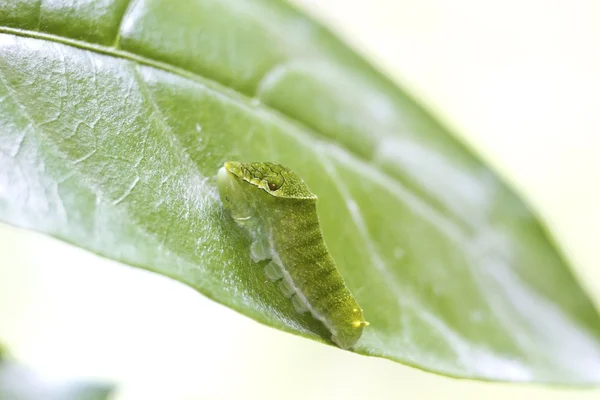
{"x": 279, "y": 212}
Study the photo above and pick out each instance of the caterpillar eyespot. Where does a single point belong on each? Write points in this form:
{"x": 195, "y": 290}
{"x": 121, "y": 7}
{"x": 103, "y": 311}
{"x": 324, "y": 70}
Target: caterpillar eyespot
{"x": 279, "y": 212}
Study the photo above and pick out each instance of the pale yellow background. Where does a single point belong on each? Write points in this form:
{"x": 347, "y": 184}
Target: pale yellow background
{"x": 519, "y": 79}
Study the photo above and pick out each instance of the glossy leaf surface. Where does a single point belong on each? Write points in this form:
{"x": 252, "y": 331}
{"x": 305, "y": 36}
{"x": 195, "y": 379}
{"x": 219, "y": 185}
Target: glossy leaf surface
{"x": 115, "y": 117}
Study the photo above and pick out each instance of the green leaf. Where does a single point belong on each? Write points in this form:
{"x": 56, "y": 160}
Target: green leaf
{"x": 115, "y": 117}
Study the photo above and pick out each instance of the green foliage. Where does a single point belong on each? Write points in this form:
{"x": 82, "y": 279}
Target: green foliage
{"x": 115, "y": 117}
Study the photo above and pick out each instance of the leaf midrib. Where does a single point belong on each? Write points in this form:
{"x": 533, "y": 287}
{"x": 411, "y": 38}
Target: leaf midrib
{"x": 217, "y": 86}
{"x": 273, "y": 114}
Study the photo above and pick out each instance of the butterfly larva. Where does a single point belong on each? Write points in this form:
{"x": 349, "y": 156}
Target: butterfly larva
{"x": 279, "y": 211}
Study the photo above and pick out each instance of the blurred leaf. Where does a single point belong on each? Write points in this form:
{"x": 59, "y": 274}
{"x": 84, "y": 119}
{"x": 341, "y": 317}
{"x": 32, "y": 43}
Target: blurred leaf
{"x": 115, "y": 117}
{"x": 20, "y": 383}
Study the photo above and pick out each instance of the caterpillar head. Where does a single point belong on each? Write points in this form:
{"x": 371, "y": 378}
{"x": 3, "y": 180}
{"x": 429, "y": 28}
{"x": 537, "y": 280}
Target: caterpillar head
{"x": 271, "y": 178}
